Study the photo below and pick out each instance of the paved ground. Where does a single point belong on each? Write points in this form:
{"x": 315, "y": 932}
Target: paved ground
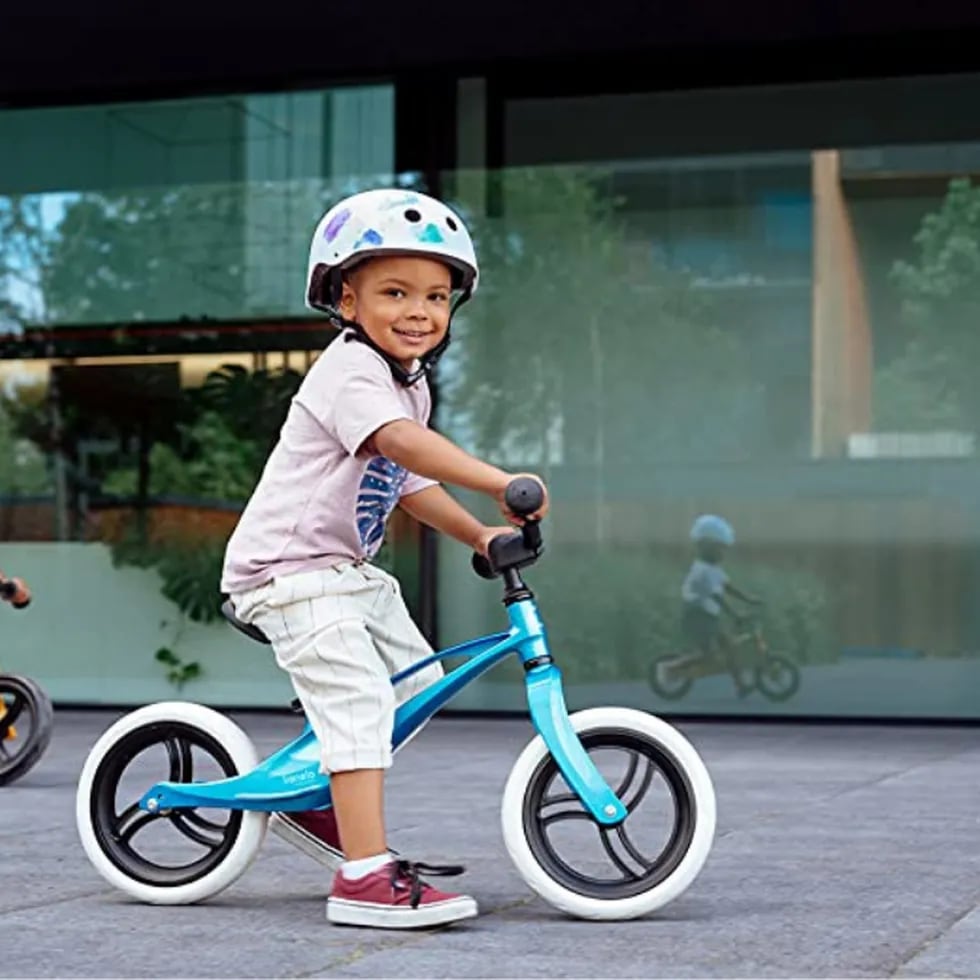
{"x": 841, "y": 851}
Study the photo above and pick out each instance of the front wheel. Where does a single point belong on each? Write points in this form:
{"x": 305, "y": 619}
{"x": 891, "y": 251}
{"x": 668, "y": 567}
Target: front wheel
{"x": 178, "y": 856}
{"x": 26, "y": 723}
{"x": 623, "y": 872}
{"x": 777, "y": 677}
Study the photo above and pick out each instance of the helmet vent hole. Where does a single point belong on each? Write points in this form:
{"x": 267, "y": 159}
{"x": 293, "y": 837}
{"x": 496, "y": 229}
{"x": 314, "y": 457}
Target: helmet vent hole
{"x": 452, "y": 224}
{"x": 412, "y": 215}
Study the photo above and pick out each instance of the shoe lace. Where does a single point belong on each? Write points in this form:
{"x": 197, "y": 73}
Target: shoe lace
{"x": 408, "y": 872}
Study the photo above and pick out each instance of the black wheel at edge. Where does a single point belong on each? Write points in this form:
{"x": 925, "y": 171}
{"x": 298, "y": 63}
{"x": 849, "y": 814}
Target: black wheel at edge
{"x": 20, "y": 754}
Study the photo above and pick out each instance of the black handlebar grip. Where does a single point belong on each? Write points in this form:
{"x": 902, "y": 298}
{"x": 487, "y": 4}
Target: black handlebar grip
{"x": 524, "y": 496}
{"x": 482, "y": 566}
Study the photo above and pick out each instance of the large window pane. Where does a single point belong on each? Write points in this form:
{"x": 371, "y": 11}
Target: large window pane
{"x": 786, "y": 341}
{"x": 151, "y": 299}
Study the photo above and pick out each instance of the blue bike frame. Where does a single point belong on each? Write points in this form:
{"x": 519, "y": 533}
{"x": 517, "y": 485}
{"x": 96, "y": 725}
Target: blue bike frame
{"x": 290, "y": 779}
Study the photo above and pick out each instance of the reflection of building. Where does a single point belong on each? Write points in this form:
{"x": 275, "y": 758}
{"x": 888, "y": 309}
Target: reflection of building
{"x": 740, "y": 362}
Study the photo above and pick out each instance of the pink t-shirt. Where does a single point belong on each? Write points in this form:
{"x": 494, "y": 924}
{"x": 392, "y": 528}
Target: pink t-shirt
{"x": 319, "y": 501}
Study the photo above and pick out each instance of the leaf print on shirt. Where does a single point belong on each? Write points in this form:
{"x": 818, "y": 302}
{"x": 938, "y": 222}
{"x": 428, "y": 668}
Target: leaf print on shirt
{"x": 377, "y": 496}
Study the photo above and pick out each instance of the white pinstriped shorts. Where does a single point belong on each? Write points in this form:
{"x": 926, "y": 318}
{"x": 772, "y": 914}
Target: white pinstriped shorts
{"x": 341, "y": 633}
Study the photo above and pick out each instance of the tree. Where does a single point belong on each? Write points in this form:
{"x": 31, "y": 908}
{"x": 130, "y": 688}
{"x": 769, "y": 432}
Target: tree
{"x": 26, "y": 244}
{"x": 932, "y": 383}
{"x": 581, "y": 334}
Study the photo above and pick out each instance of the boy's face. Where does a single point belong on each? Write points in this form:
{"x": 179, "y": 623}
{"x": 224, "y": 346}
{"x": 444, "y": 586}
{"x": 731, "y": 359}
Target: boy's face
{"x": 402, "y": 302}
{"x": 711, "y": 551}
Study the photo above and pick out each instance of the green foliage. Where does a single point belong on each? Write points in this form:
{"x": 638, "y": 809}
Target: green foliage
{"x": 23, "y": 467}
{"x": 147, "y": 254}
{"x": 190, "y": 570}
{"x": 581, "y": 334}
{"x": 211, "y": 462}
{"x": 220, "y": 455}
{"x": 932, "y": 383}
{"x": 179, "y": 672}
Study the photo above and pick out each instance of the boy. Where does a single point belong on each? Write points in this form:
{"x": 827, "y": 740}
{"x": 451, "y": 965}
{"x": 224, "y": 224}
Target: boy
{"x": 704, "y": 593}
{"x": 385, "y": 266}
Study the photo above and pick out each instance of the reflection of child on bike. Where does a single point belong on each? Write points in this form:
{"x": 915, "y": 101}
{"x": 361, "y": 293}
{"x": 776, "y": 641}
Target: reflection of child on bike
{"x": 389, "y": 267}
{"x": 705, "y": 593}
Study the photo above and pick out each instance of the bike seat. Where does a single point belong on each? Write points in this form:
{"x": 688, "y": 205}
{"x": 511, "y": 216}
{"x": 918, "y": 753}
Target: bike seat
{"x": 253, "y": 632}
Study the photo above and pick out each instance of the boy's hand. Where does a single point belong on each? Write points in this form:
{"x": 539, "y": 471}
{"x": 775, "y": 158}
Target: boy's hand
{"x": 486, "y": 535}
{"x": 505, "y": 510}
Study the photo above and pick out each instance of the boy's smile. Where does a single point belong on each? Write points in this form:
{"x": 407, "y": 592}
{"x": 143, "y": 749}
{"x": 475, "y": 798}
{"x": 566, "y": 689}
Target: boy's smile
{"x": 402, "y": 303}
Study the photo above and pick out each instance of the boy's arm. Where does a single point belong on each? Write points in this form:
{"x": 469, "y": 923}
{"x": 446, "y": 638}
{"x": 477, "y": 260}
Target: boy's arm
{"x": 726, "y": 606}
{"x": 429, "y": 454}
{"x": 739, "y": 594}
{"x": 435, "y": 508}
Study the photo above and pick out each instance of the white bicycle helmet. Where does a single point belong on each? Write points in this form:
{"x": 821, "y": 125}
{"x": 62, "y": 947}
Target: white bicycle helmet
{"x": 391, "y": 221}
{"x": 711, "y": 527}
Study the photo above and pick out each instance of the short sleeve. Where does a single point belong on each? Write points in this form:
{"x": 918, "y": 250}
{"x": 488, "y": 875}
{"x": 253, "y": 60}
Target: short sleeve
{"x": 365, "y": 401}
{"x": 416, "y": 483}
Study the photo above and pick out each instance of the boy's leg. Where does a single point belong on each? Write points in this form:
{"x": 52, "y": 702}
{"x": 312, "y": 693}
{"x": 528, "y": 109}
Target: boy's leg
{"x": 319, "y": 634}
{"x": 315, "y": 623}
{"x": 358, "y": 799}
{"x": 728, "y": 652}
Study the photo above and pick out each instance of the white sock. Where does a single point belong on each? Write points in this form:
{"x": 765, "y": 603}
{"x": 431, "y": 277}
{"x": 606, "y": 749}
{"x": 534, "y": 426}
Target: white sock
{"x": 365, "y": 866}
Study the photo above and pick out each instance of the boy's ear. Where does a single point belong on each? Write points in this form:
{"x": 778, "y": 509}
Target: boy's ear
{"x": 348, "y": 300}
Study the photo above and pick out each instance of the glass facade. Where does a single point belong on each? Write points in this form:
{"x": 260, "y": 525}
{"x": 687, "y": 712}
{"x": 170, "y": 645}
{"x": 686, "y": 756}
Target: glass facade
{"x": 672, "y": 322}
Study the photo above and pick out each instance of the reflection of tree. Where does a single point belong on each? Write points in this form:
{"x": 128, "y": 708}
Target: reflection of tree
{"x": 25, "y": 254}
{"x": 22, "y": 464}
{"x": 223, "y": 433}
{"x": 932, "y": 383}
{"x": 126, "y": 256}
{"x": 579, "y": 330}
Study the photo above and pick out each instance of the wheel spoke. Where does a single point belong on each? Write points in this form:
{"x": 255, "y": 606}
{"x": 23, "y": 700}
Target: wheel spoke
{"x": 181, "y": 762}
{"x": 631, "y": 849}
{"x": 651, "y": 771}
{"x": 630, "y": 773}
{"x": 558, "y": 798}
{"x": 131, "y": 821}
{"x": 616, "y": 859}
{"x": 14, "y": 710}
{"x": 565, "y": 815}
{"x": 185, "y": 827}
{"x": 195, "y": 818}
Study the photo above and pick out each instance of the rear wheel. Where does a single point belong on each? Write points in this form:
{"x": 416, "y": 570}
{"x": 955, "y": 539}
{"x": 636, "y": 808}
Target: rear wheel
{"x": 26, "y": 724}
{"x": 176, "y": 856}
{"x": 668, "y": 678}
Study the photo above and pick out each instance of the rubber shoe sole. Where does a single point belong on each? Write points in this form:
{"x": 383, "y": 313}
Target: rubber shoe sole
{"x": 345, "y": 912}
{"x": 304, "y": 841}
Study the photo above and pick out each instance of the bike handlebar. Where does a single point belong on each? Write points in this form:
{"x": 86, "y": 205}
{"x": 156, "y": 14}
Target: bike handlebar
{"x": 523, "y": 496}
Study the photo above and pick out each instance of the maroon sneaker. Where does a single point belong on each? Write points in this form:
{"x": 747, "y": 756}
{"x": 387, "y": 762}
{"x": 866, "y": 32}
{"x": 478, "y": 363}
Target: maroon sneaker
{"x": 314, "y": 832}
{"x": 394, "y": 897}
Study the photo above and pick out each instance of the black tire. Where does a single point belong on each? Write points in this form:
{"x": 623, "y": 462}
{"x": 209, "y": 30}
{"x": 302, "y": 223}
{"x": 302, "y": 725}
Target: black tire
{"x": 669, "y": 689}
{"x": 777, "y": 677}
{"x": 30, "y": 712}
